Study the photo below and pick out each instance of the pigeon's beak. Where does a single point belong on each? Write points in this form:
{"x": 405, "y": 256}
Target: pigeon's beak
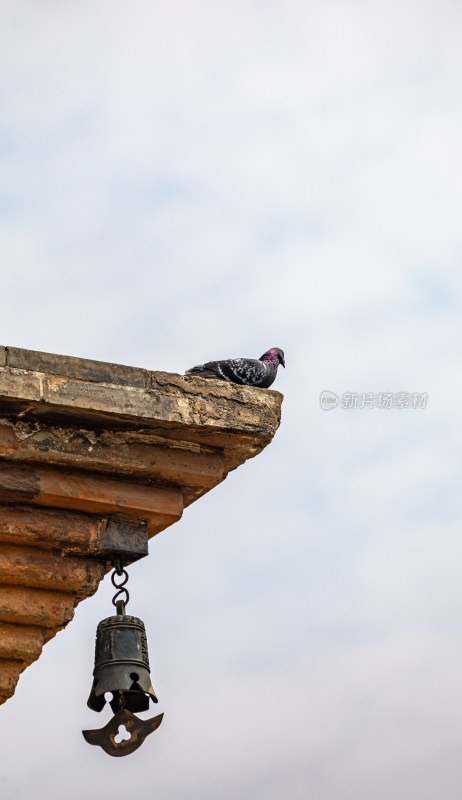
{"x": 281, "y": 360}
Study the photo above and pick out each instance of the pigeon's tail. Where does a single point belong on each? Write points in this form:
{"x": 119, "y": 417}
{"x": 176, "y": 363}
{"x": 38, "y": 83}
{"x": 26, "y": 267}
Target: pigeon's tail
{"x": 202, "y": 371}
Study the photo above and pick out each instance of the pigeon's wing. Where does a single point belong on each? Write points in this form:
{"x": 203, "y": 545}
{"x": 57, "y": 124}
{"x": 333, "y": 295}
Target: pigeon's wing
{"x": 209, "y": 370}
{"x": 245, "y": 371}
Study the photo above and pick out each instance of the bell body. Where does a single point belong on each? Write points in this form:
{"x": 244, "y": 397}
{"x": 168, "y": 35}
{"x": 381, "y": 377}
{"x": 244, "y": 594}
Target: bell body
{"x": 121, "y": 665}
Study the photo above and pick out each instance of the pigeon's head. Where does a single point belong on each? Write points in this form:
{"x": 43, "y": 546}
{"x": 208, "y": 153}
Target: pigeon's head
{"x": 275, "y": 356}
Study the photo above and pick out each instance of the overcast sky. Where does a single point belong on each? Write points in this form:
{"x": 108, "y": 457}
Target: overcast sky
{"x": 187, "y": 181}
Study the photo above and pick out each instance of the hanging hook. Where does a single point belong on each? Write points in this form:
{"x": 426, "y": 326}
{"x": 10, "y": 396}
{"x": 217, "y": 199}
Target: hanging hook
{"x": 117, "y": 600}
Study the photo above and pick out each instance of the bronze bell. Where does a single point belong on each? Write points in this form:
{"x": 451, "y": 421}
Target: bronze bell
{"x": 122, "y": 668}
{"x": 121, "y": 665}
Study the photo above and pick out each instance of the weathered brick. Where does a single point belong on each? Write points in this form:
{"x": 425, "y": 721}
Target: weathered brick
{"x": 123, "y": 401}
{"x": 18, "y": 483}
{"x": 18, "y": 385}
{"x": 9, "y": 675}
{"x": 8, "y": 440}
{"x": 21, "y": 642}
{"x": 102, "y": 495}
{"x": 44, "y": 569}
{"x": 215, "y": 417}
{"x": 49, "y": 528}
{"x": 77, "y": 368}
{"x": 26, "y": 606}
{"x": 114, "y": 451}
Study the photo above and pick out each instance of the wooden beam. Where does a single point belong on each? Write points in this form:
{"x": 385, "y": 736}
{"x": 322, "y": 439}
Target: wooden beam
{"x": 47, "y": 609}
{"x": 114, "y": 451}
{"x": 21, "y": 642}
{"x": 44, "y": 569}
{"x": 43, "y": 527}
{"x": 89, "y": 492}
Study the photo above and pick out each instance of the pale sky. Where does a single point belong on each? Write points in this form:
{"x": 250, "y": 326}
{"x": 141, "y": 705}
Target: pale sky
{"x": 187, "y": 181}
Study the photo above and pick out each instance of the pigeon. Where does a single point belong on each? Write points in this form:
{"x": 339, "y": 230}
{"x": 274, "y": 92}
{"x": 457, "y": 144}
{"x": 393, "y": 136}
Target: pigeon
{"x": 245, "y": 371}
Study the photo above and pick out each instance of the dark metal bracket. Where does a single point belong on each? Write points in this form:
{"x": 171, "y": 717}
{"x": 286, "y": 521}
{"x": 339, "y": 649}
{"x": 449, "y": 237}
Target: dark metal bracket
{"x": 123, "y": 539}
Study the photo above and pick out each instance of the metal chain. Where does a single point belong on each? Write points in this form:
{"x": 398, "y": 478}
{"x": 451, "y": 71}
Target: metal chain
{"x": 120, "y": 572}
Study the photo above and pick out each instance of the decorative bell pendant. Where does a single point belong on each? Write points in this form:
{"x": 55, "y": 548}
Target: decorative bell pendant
{"x": 122, "y": 669}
